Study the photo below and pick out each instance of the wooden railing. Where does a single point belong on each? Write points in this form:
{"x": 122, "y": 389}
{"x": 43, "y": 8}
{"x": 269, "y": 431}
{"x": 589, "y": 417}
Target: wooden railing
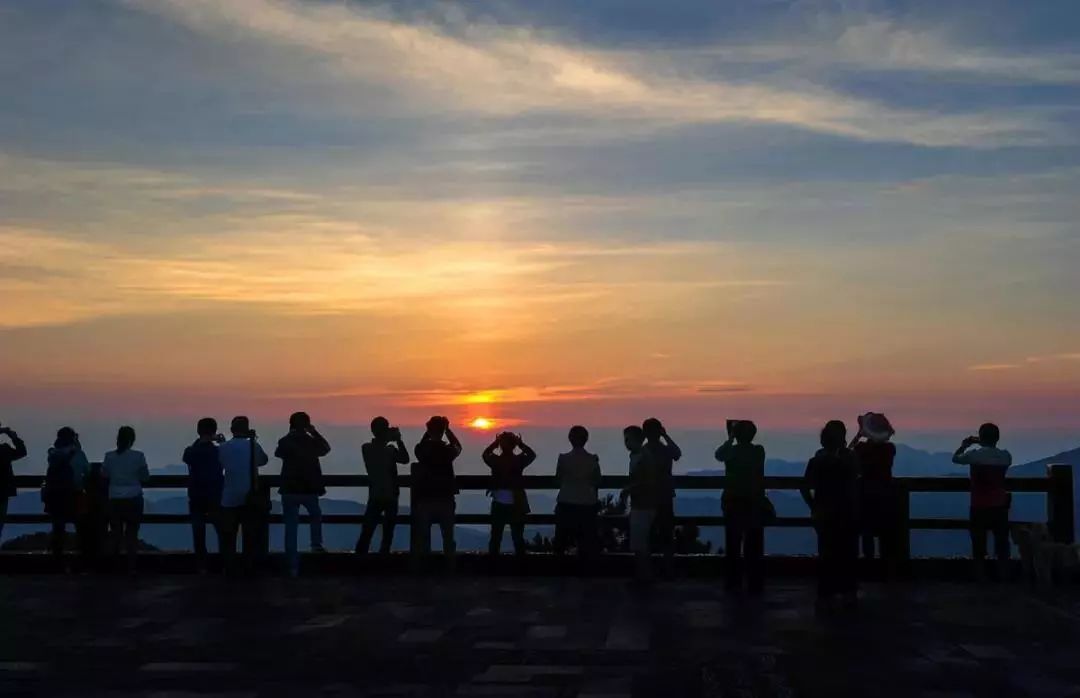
{"x": 1057, "y": 486}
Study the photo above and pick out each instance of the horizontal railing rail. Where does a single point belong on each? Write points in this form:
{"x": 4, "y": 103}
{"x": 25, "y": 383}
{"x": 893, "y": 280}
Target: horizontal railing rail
{"x": 1057, "y": 486}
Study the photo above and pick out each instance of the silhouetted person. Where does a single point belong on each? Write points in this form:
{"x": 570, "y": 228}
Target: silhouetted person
{"x": 382, "y": 455}
{"x": 878, "y": 504}
{"x": 206, "y": 480}
{"x": 64, "y": 476}
{"x": 645, "y": 492}
{"x": 663, "y": 453}
{"x": 744, "y": 505}
{"x": 830, "y": 489}
{"x": 243, "y": 503}
{"x": 301, "y": 484}
{"x": 9, "y": 453}
{"x": 508, "y": 456}
{"x": 578, "y": 475}
{"x": 990, "y": 500}
{"x": 434, "y": 488}
{"x": 126, "y": 471}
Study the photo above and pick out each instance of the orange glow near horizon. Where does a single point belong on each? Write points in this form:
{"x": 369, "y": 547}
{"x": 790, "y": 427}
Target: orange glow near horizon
{"x": 482, "y": 423}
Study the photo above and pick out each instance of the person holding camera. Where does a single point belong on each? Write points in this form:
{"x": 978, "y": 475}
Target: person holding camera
{"x": 990, "y": 501}
{"x": 206, "y": 480}
{"x": 301, "y": 484}
{"x": 242, "y": 504}
{"x": 508, "y": 456}
{"x": 382, "y": 455}
{"x": 9, "y": 453}
{"x": 744, "y": 504}
{"x": 434, "y": 489}
{"x": 663, "y": 453}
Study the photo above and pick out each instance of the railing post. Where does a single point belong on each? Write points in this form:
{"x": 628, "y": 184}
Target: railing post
{"x": 1059, "y": 503}
{"x": 903, "y": 511}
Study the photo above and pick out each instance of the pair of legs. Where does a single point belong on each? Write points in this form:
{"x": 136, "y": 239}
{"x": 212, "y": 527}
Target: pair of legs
{"x": 641, "y": 528}
{"x": 575, "y": 524}
{"x": 425, "y": 513}
{"x": 838, "y": 556}
{"x": 241, "y": 520}
{"x": 744, "y": 546}
{"x": 290, "y": 510}
{"x": 378, "y": 511}
{"x": 986, "y": 520}
{"x": 203, "y": 511}
{"x": 881, "y": 530}
{"x": 503, "y": 515}
{"x": 125, "y": 516}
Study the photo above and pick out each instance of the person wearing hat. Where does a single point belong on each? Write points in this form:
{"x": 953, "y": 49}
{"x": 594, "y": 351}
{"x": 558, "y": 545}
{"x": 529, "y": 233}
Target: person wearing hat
{"x": 875, "y": 454}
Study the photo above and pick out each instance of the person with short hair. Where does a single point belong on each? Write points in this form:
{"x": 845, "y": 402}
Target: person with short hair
{"x": 301, "y": 484}
{"x": 644, "y": 491}
{"x": 434, "y": 489}
{"x": 126, "y": 471}
{"x": 65, "y": 476}
{"x": 578, "y": 475}
{"x": 744, "y": 506}
{"x": 507, "y": 457}
{"x": 878, "y": 505}
{"x": 663, "y": 453}
{"x": 206, "y": 480}
{"x": 9, "y": 453}
{"x": 830, "y": 490}
{"x": 990, "y": 500}
{"x": 243, "y": 511}
{"x": 382, "y": 455}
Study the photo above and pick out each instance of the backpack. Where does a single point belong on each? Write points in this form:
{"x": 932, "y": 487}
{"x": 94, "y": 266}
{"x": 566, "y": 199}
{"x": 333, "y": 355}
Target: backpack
{"x": 58, "y": 491}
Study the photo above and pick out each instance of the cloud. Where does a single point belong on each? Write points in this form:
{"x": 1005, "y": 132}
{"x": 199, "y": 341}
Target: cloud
{"x": 993, "y": 367}
{"x": 503, "y": 71}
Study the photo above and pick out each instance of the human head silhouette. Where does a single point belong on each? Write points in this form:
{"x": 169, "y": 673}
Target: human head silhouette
{"x": 241, "y": 426}
{"x": 633, "y": 438}
{"x": 207, "y": 426}
{"x": 65, "y": 436}
{"x": 579, "y": 436}
{"x": 437, "y": 426}
{"x": 507, "y": 441}
{"x": 380, "y": 427}
{"x": 652, "y": 428}
{"x": 834, "y": 435}
{"x": 125, "y": 439}
{"x": 299, "y": 421}
{"x": 744, "y": 431}
{"x": 989, "y": 434}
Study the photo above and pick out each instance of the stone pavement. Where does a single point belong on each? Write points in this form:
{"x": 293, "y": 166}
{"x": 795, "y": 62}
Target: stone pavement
{"x": 178, "y": 636}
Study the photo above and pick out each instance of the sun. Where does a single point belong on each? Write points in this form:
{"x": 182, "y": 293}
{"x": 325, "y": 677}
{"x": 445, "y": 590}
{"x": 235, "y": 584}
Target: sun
{"x": 482, "y": 423}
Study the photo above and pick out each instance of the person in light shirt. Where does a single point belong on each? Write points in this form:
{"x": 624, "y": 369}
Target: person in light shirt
{"x": 126, "y": 471}
{"x": 990, "y": 500}
{"x": 239, "y": 456}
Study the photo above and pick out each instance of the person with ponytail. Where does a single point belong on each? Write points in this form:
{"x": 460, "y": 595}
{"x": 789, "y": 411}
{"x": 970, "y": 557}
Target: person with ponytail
{"x": 126, "y": 471}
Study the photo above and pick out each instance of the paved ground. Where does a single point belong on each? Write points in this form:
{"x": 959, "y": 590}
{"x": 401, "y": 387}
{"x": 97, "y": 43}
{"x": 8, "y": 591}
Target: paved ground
{"x": 473, "y": 636}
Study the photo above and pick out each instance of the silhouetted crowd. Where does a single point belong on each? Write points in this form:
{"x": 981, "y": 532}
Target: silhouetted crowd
{"x": 848, "y": 487}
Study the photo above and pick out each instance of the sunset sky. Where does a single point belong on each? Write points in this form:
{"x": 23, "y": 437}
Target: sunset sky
{"x": 541, "y": 212}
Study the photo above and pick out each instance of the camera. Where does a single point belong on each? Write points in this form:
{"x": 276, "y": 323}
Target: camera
{"x": 394, "y": 434}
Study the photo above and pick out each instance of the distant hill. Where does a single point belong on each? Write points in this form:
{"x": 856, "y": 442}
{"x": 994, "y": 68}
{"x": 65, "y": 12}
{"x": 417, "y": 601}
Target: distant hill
{"x": 39, "y": 542}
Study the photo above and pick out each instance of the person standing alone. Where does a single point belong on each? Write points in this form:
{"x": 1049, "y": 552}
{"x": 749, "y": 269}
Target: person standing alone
{"x": 382, "y": 455}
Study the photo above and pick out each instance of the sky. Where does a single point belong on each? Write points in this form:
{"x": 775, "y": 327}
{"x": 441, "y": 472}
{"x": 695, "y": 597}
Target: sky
{"x": 541, "y": 213}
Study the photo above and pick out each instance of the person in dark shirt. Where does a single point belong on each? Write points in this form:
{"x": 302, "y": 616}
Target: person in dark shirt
{"x": 990, "y": 500}
{"x": 830, "y": 490}
{"x": 434, "y": 488}
{"x": 301, "y": 484}
{"x": 880, "y": 522}
{"x": 508, "y": 456}
{"x": 743, "y": 503}
{"x": 9, "y": 453}
{"x": 663, "y": 453}
{"x": 206, "y": 480}
{"x": 382, "y": 455}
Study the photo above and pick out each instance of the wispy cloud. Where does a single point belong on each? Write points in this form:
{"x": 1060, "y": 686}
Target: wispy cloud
{"x": 505, "y": 71}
